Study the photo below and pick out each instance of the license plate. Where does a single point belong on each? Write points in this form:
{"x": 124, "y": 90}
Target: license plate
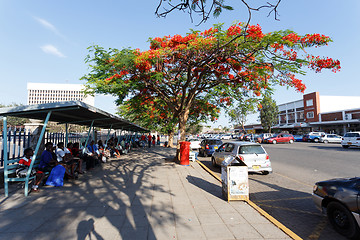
{"x": 256, "y": 167}
{"x": 349, "y": 143}
{"x": 215, "y": 147}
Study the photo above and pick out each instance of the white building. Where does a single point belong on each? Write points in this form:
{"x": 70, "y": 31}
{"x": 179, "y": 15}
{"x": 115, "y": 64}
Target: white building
{"x": 54, "y": 92}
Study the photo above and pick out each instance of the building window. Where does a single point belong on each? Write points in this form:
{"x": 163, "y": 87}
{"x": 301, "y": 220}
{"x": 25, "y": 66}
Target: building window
{"x": 310, "y": 114}
{"x": 309, "y": 103}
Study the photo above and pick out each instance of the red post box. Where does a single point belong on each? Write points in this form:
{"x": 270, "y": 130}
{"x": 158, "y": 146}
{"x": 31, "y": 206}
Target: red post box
{"x": 184, "y": 153}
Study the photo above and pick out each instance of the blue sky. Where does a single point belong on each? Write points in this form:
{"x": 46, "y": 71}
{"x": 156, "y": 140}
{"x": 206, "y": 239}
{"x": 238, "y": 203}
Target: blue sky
{"x": 46, "y": 41}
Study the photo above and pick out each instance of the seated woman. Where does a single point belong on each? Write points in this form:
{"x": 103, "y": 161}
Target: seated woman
{"x": 104, "y": 153}
{"x": 77, "y": 160}
{"x": 64, "y": 157}
{"x": 23, "y": 168}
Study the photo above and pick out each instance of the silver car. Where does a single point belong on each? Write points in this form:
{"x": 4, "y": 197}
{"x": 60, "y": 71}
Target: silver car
{"x": 252, "y": 154}
{"x": 330, "y": 138}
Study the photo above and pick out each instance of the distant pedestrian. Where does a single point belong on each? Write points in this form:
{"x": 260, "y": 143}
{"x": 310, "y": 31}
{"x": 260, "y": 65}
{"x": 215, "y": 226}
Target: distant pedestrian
{"x": 153, "y": 140}
{"x": 149, "y": 140}
{"x": 158, "y": 140}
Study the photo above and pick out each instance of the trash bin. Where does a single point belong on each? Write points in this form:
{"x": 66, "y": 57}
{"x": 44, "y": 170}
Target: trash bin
{"x": 234, "y": 178}
{"x": 184, "y": 153}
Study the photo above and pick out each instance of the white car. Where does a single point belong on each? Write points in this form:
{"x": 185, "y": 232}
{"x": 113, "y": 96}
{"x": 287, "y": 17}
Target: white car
{"x": 194, "y": 143}
{"x": 226, "y": 137}
{"x": 351, "y": 139}
{"x": 330, "y": 138}
{"x": 252, "y": 154}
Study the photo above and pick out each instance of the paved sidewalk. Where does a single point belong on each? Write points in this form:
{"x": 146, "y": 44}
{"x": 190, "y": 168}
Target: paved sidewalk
{"x": 140, "y": 196}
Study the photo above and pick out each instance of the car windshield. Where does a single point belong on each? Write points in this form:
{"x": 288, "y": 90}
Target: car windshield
{"x": 251, "y": 149}
{"x": 352, "y": 135}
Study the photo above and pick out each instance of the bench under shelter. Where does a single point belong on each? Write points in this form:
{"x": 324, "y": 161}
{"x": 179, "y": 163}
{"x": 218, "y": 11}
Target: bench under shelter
{"x": 68, "y": 112}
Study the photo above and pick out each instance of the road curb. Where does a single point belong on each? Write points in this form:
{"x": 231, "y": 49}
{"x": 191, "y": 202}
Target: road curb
{"x": 258, "y": 209}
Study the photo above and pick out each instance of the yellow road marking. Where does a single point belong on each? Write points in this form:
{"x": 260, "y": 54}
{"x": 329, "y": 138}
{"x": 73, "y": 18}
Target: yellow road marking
{"x": 318, "y": 229}
{"x": 286, "y": 199}
{"x": 292, "y": 179}
{"x": 262, "y": 212}
{"x": 287, "y": 209}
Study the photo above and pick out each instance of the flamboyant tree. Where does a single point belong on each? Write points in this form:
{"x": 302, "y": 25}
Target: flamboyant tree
{"x": 207, "y": 67}
{"x": 205, "y": 8}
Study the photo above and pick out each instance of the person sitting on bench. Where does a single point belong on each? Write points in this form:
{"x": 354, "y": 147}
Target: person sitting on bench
{"x": 23, "y": 168}
{"x": 64, "y": 157}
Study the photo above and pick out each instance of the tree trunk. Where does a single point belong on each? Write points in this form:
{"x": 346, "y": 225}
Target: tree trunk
{"x": 171, "y": 139}
{"x": 182, "y": 126}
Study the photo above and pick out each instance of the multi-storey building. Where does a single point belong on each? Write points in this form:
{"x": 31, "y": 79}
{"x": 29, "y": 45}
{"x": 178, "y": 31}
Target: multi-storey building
{"x": 53, "y": 92}
{"x": 332, "y": 114}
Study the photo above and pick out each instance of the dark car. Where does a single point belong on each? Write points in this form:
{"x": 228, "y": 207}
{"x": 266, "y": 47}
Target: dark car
{"x": 208, "y": 146}
{"x": 340, "y": 200}
{"x": 280, "y": 138}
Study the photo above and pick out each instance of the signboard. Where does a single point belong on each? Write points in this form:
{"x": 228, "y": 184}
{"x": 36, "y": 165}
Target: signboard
{"x": 235, "y": 182}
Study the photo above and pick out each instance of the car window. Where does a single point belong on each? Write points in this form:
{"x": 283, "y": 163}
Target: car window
{"x": 229, "y": 147}
{"x": 251, "y": 149}
{"x": 351, "y": 135}
{"x": 218, "y": 142}
{"x": 222, "y": 147}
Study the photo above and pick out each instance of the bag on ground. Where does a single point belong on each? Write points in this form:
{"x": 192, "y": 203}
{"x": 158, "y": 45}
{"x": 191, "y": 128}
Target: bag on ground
{"x": 56, "y": 177}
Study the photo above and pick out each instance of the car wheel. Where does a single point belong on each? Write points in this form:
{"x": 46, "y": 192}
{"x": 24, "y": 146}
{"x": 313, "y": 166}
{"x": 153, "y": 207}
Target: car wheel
{"x": 345, "y": 146}
{"x": 326, "y": 141}
{"x": 291, "y": 141}
{"x": 265, "y": 172}
{"x": 213, "y": 162}
{"x": 274, "y": 142}
{"x": 342, "y": 220}
{"x": 316, "y": 140}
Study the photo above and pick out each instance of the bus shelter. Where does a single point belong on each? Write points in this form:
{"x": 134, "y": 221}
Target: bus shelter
{"x": 69, "y": 112}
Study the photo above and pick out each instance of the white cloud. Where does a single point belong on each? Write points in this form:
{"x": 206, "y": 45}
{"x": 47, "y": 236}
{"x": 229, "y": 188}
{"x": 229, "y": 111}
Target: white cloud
{"x": 50, "y": 49}
{"x": 49, "y": 26}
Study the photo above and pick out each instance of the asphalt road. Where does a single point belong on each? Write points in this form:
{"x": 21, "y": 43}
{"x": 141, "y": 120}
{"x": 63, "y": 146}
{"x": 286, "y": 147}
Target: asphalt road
{"x": 286, "y": 193}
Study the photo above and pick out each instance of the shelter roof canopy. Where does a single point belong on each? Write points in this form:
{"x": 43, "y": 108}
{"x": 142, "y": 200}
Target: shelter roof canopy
{"x": 74, "y": 112}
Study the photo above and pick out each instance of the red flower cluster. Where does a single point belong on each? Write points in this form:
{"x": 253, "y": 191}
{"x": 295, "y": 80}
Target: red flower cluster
{"x": 318, "y": 64}
{"x": 255, "y": 32}
{"x": 233, "y": 30}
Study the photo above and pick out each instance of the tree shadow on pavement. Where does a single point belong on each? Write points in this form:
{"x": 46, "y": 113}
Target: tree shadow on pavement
{"x": 116, "y": 199}
{"x": 209, "y": 187}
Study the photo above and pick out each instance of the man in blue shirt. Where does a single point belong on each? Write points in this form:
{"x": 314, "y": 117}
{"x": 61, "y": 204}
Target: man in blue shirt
{"x": 47, "y": 160}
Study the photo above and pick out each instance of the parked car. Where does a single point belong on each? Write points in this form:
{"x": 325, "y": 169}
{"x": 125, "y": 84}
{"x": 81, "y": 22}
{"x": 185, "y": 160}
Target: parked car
{"x": 263, "y": 136}
{"x": 340, "y": 200}
{"x": 298, "y": 138}
{"x": 252, "y": 154}
{"x": 251, "y": 137}
{"x": 194, "y": 143}
{"x": 313, "y": 136}
{"x": 208, "y": 146}
{"x": 225, "y": 137}
{"x": 330, "y": 138}
{"x": 351, "y": 139}
{"x": 280, "y": 138}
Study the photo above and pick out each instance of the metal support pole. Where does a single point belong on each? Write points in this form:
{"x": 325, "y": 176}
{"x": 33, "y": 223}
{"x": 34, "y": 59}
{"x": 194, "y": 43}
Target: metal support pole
{"x": 107, "y": 137}
{"x": 87, "y": 139}
{"x": 36, "y": 152}
{"x": 6, "y": 178}
{"x": 66, "y": 134}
